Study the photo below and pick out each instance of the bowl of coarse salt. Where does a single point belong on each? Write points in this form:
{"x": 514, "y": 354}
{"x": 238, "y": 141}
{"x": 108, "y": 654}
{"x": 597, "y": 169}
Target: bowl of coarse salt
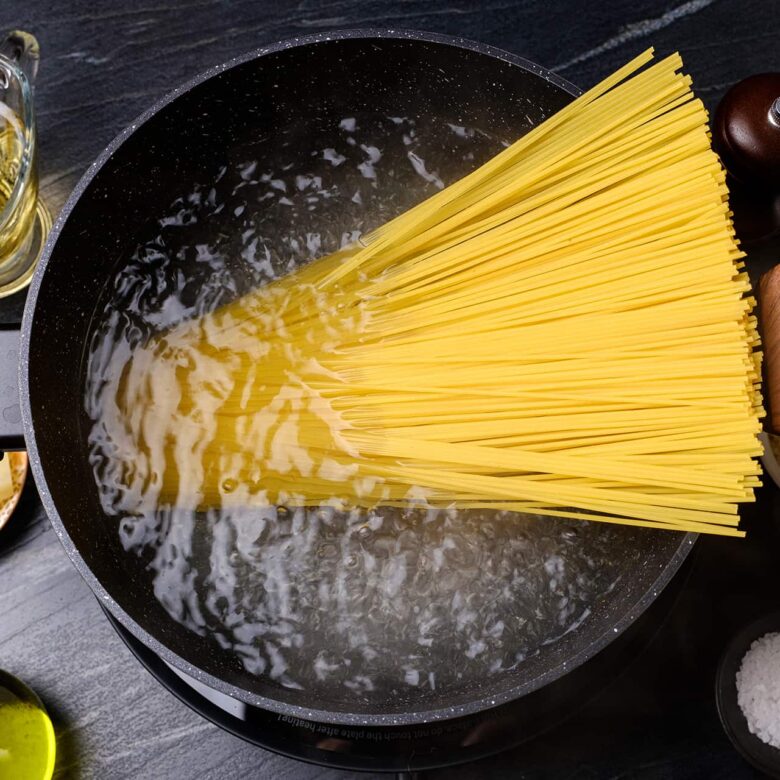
{"x": 747, "y": 690}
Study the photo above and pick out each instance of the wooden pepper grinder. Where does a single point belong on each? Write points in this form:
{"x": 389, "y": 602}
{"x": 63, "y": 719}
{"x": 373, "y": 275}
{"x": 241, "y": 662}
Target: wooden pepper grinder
{"x": 746, "y": 135}
{"x": 746, "y": 131}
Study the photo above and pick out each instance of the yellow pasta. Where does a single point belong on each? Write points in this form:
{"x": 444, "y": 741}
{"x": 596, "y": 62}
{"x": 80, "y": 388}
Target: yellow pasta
{"x": 566, "y": 331}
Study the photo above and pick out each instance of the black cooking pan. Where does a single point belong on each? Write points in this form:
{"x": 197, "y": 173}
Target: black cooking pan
{"x": 521, "y": 601}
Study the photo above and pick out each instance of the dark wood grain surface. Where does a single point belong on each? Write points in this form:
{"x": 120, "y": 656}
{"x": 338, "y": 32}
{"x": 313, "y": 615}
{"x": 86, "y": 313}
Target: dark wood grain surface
{"x": 102, "y": 64}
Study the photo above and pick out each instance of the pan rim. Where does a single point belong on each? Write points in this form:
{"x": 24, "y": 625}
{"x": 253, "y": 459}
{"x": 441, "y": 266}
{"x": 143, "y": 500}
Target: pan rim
{"x": 400, "y": 718}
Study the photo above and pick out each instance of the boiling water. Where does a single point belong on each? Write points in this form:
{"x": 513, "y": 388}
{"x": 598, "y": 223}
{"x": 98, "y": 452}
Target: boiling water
{"x": 378, "y": 605}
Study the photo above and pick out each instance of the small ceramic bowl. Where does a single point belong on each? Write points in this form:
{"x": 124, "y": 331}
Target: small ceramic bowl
{"x": 18, "y": 461}
{"x": 757, "y": 752}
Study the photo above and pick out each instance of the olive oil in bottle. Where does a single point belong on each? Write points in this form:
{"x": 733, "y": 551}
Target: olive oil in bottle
{"x": 27, "y": 742}
{"x": 16, "y": 223}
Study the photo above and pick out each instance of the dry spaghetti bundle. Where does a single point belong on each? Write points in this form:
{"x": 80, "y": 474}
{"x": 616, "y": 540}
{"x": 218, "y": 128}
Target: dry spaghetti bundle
{"x": 566, "y": 331}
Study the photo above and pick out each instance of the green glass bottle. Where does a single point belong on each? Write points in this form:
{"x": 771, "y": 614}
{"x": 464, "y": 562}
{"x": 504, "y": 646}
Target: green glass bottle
{"x": 27, "y": 742}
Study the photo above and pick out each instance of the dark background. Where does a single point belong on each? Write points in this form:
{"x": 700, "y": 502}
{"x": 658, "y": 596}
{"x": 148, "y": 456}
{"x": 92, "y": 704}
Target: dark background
{"x": 102, "y": 64}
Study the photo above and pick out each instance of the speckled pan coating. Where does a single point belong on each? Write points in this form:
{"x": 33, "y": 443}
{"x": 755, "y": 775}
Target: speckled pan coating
{"x": 53, "y": 341}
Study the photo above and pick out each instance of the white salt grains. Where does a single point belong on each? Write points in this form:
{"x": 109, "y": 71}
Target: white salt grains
{"x": 758, "y": 688}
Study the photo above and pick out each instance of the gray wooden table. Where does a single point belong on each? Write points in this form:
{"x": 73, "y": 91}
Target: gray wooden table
{"x": 103, "y": 62}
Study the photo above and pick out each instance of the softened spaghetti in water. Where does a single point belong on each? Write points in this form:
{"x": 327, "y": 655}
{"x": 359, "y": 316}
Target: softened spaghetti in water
{"x": 566, "y": 331}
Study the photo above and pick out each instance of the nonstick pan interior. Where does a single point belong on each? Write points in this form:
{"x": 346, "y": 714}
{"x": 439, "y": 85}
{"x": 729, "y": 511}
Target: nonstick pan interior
{"x": 298, "y": 105}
